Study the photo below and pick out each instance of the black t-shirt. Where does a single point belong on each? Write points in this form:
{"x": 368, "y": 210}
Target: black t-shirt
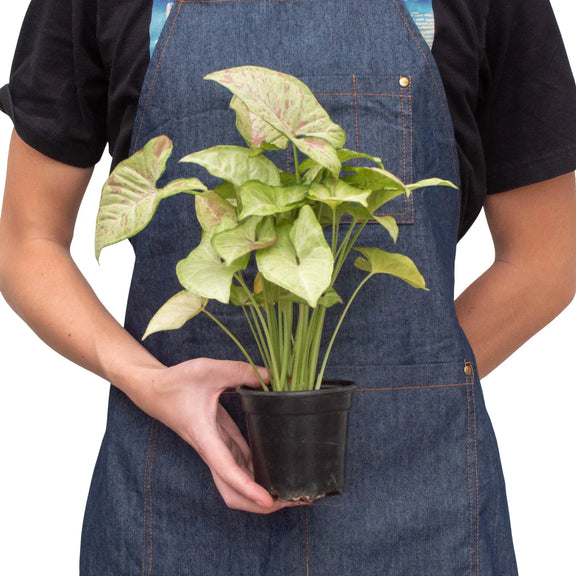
{"x": 80, "y": 64}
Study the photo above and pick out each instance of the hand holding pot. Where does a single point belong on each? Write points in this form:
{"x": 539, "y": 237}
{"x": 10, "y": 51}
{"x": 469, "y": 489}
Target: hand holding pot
{"x": 185, "y": 398}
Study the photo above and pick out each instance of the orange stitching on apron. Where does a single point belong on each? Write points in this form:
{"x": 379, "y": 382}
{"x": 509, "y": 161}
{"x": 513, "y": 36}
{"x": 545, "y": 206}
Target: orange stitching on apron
{"x": 477, "y": 485}
{"x": 360, "y": 94}
{"x": 155, "y": 76}
{"x": 355, "y": 95}
{"x": 145, "y": 494}
{"x": 432, "y": 386}
{"x": 438, "y": 91}
{"x": 411, "y": 141}
{"x": 470, "y": 514}
{"x": 306, "y": 516}
{"x": 404, "y": 147}
{"x": 147, "y": 489}
{"x": 403, "y": 141}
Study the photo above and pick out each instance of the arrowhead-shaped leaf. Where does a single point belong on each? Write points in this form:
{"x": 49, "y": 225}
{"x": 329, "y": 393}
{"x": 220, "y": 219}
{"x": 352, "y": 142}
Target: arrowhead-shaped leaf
{"x": 336, "y": 192}
{"x": 238, "y": 296}
{"x": 211, "y": 210}
{"x": 377, "y": 261}
{"x": 259, "y": 199}
{"x": 330, "y": 298}
{"x": 204, "y": 273}
{"x": 301, "y": 260}
{"x": 253, "y": 234}
{"x": 130, "y": 197}
{"x": 346, "y": 155}
{"x": 176, "y": 312}
{"x": 321, "y": 151}
{"x": 362, "y": 214}
{"x": 256, "y": 132}
{"x": 235, "y": 164}
{"x": 430, "y": 182}
{"x": 288, "y": 106}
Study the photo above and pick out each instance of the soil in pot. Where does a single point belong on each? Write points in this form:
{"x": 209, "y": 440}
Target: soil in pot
{"x": 298, "y": 439}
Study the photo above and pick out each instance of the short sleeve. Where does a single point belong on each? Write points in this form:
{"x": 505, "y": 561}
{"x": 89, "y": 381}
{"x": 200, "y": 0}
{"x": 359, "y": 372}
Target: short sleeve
{"x": 57, "y": 91}
{"x": 527, "y": 113}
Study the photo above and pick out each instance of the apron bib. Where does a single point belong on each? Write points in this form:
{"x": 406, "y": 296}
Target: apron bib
{"x": 425, "y": 494}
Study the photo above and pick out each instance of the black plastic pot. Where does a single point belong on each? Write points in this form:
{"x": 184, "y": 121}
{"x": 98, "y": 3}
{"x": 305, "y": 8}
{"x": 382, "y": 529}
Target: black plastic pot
{"x": 298, "y": 439}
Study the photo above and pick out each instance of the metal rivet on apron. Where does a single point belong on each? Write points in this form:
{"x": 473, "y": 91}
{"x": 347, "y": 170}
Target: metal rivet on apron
{"x": 404, "y": 81}
{"x": 468, "y": 370}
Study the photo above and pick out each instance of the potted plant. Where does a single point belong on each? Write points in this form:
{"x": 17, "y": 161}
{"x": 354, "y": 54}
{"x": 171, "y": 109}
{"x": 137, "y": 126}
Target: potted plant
{"x": 299, "y": 228}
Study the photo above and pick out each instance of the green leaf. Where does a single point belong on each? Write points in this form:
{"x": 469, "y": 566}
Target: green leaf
{"x": 253, "y": 234}
{"x": 226, "y": 190}
{"x": 430, "y": 182}
{"x": 379, "y": 261}
{"x": 362, "y": 214}
{"x": 287, "y": 105}
{"x": 287, "y": 178}
{"x": 212, "y": 209}
{"x": 204, "y": 273}
{"x": 256, "y": 132}
{"x": 301, "y": 261}
{"x": 321, "y": 151}
{"x": 130, "y": 197}
{"x": 337, "y": 192}
{"x": 259, "y": 199}
{"x": 272, "y": 294}
{"x": 176, "y": 312}
{"x": 346, "y": 155}
{"x": 235, "y": 164}
{"x": 384, "y": 185}
{"x": 330, "y": 298}
{"x": 238, "y": 296}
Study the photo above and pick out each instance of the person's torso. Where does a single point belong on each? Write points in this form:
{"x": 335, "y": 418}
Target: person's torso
{"x": 128, "y": 30}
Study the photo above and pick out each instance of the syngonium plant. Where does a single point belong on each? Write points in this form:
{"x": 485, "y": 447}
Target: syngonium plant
{"x": 283, "y": 219}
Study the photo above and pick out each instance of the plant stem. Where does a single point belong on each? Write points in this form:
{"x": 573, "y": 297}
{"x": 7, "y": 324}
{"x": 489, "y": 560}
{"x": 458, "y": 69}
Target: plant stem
{"x": 256, "y": 324}
{"x": 296, "y": 164}
{"x": 314, "y": 343}
{"x": 256, "y": 308}
{"x": 346, "y": 239}
{"x": 334, "y": 232}
{"x": 237, "y": 342}
{"x": 257, "y": 334}
{"x": 334, "y": 334}
{"x": 345, "y": 251}
{"x": 298, "y": 354}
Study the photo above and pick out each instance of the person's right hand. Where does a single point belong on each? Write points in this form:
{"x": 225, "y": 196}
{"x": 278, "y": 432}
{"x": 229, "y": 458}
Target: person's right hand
{"x": 185, "y": 398}
{"x": 41, "y": 282}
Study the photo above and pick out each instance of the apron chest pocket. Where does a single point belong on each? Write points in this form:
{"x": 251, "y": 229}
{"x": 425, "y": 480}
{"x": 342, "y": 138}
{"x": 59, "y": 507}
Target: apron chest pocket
{"x": 376, "y": 113}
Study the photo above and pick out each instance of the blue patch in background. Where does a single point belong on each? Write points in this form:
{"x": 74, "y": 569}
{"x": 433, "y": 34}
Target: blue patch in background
{"x": 421, "y": 11}
{"x": 160, "y": 11}
{"x": 423, "y": 14}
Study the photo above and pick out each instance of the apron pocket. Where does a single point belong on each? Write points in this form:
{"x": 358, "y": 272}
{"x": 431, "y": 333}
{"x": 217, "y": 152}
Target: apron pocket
{"x": 412, "y": 490}
{"x": 376, "y": 114}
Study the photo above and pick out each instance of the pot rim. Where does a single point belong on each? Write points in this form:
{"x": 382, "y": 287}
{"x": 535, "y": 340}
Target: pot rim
{"x": 331, "y": 386}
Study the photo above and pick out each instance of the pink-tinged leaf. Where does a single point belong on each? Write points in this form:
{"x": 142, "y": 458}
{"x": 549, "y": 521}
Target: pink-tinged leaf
{"x": 288, "y": 106}
{"x": 130, "y": 197}
{"x": 176, "y": 312}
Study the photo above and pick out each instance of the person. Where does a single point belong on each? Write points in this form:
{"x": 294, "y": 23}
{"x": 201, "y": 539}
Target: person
{"x": 533, "y": 178}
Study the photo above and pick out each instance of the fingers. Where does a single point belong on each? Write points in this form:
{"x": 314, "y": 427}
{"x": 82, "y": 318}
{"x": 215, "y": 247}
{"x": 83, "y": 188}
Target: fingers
{"x": 232, "y": 435}
{"x": 237, "y": 501}
{"x": 222, "y": 464}
{"x": 229, "y": 374}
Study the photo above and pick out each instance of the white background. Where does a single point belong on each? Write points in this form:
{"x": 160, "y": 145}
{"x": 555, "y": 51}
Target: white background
{"x": 52, "y": 414}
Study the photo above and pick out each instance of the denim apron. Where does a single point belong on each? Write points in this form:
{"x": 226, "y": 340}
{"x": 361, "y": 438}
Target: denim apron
{"x": 425, "y": 494}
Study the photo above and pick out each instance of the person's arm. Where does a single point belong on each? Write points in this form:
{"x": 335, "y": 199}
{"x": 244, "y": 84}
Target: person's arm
{"x": 533, "y": 277}
{"x": 40, "y": 281}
